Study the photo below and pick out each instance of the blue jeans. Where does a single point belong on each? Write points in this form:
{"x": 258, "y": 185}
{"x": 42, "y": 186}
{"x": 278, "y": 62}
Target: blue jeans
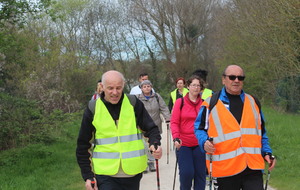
{"x": 192, "y": 168}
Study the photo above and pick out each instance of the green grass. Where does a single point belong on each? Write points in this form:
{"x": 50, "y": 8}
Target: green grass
{"x": 54, "y": 166}
{"x": 283, "y": 131}
{"x": 42, "y": 166}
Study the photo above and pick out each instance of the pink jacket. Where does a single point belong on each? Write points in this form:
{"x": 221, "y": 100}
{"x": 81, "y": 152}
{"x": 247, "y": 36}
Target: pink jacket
{"x": 182, "y": 121}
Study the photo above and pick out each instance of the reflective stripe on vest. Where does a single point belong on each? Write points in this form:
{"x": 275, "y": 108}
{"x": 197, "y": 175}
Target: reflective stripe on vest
{"x": 237, "y": 145}
{"x": 112, "y": 140}
{"x": 117, "y": 145}
{"x": 116, "y": 155}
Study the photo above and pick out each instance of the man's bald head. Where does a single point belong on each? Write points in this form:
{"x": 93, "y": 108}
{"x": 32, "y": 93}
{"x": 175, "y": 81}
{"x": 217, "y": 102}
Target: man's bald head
{"x": 112, "y": 75}
{"x": 113, "y": 84}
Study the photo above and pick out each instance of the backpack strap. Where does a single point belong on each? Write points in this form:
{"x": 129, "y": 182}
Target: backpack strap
{"x": 182, "y": 103}
{"x": 132, "y": 99}
{"x": 92, "y": 103}
{"x": 214, "y": 99}
{"x": 157, "y": 99}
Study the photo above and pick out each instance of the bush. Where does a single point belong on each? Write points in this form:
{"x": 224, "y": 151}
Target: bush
{"x": 288, "y": 94}
{"x": 17, "y": 117}
{"x": 23, "y": 122}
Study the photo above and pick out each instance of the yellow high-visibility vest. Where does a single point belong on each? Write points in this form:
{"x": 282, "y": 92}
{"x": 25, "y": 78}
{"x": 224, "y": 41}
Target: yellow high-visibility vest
{"x": 174, "y": 92}
{"x": 117, "y": 142}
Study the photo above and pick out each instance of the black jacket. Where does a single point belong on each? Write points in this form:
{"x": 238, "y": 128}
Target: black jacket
{"x": 87, "y": 131}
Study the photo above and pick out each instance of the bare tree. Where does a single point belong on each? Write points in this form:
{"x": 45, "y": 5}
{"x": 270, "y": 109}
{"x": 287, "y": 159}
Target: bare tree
{"x": 177, "y": 29}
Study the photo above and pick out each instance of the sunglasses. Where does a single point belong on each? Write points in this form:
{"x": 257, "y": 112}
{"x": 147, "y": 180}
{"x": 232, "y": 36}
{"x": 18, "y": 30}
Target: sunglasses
{"x": 233, "y": 77}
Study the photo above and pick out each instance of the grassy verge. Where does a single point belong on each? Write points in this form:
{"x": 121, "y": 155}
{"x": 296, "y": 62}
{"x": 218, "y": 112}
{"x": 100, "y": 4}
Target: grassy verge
{"x": 283, "y": 131}
{"x": 41, "y": 166}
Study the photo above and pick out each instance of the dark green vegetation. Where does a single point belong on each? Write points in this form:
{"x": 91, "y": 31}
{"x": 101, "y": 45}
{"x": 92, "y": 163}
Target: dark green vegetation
{"x": 283, "y": 132}
{"x": 45, "y": 165}
{"x": 23, "y": 122}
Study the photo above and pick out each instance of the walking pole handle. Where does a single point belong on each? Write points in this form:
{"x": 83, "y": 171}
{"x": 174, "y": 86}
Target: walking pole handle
{"x": 155, "y": 145}
{"x": 272, "y": 157}
{"x": 93, "y": 182}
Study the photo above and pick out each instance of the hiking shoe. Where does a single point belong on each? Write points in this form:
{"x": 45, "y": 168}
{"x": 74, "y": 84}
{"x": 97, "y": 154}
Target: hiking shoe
{"x": 151, "y": 166}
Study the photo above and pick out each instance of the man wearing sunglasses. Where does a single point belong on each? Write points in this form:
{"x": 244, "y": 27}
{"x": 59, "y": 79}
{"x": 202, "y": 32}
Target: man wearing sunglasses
{"x": 233, "y": 133}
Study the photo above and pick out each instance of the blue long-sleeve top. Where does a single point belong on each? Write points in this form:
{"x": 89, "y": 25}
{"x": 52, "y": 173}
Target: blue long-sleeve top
{"x": 202, "y": 124}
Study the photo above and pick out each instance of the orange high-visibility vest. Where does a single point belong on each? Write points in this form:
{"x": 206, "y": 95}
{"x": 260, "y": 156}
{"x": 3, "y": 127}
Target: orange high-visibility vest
{"x": 237, "y": 145}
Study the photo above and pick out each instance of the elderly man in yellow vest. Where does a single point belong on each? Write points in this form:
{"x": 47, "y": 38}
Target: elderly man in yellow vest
{"x": 110, "y": 150}
{"x": 233, "y": 135}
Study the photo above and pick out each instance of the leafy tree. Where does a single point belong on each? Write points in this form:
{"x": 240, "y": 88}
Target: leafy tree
{"x": 262, "y": 37}
{"x": 15, "y": 12}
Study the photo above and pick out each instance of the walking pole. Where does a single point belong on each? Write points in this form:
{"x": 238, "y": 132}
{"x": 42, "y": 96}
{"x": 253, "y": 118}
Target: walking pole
{"x": 168, "y": 143}
{"x": 269, "y": 174}
{"x": 176, "y": 163}
{"x": 210, "y": 166}
{"x": 176, "y": 153}
{"x": 157, "y": 170}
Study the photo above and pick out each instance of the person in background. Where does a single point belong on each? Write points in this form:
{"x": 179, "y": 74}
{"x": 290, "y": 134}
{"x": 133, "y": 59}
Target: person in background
{"x": 179, "y": 92}
{"x": 136, "y": 89}
{"x": 205, "y": 92}
{"x": 191, "y": 161}
{"x": 156, "y": 106}
{"x": 98, "y": 91}
{"x": 240, "y": 143}
{"x": 115, "y": 123}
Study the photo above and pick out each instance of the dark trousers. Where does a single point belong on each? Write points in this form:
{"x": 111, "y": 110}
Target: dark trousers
{"x": 192, "y": 168}
{"x": 246, "y": 180}
{"x": 113, "y": 183}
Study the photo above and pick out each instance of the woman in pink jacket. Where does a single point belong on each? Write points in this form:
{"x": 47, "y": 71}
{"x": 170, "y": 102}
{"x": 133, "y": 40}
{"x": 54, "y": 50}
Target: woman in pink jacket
{"x": 191, "y": 160}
